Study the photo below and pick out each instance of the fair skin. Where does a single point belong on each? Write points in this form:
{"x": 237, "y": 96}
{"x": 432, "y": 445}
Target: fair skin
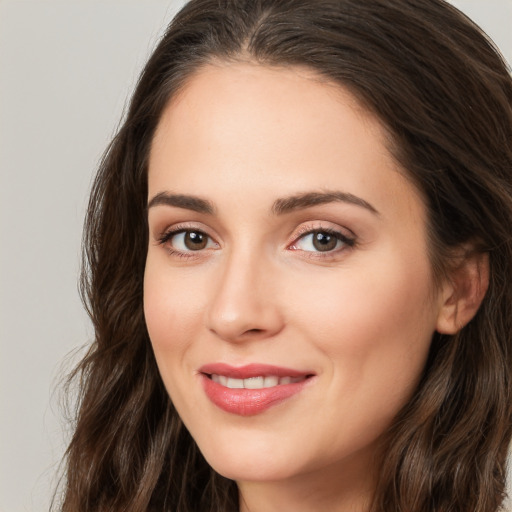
{"x": 234, "y": 276}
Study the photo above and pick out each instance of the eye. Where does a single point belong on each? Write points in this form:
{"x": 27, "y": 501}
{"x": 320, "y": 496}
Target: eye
{"x": 322, "y": 241}
{"x": 187, "y": 240}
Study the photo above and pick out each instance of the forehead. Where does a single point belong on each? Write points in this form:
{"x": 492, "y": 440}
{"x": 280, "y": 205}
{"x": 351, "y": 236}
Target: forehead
{"x": 238, "y": 126}
{"x": 253, "y": 101}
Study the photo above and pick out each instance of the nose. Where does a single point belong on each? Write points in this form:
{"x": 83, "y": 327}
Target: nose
{"x": 244, "y": 305}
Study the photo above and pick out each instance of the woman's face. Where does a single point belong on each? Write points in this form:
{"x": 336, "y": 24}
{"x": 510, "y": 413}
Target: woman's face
{"x": 288, "y": 293}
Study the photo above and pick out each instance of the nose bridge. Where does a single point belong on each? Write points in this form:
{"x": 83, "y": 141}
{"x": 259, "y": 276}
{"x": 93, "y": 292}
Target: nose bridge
{"x": 243, "y": 304}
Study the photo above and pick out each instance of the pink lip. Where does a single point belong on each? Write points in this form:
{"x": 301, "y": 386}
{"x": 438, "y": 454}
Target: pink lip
{"x": 248, "y": 402}
{"x": 251, "y": 370}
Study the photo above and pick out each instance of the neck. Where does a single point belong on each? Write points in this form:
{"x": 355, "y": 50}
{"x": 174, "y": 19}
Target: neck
{"x": 332, "y": 488}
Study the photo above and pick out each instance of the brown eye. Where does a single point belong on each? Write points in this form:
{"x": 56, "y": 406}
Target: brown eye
{"x": 324, "y": 241}
{"x": 188, "y": 240}
{"x": 195, "y": 240}
{"x": 321, "y": 240}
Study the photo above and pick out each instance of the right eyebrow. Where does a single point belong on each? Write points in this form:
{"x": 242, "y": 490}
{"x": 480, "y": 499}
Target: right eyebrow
{"x": 194, "y": 203}
{"x": 309, "y": 199}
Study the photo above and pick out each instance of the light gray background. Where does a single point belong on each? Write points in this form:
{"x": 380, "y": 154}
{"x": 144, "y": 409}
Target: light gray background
{"x": 66, "y": 70}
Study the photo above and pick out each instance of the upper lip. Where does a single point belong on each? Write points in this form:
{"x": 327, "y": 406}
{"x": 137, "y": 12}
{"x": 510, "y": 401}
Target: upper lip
{"x": 251, "y": 370}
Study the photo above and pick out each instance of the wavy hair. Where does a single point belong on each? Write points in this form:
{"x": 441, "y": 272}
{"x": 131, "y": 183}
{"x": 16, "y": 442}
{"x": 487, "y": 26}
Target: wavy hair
{"x": 444, "y": 93}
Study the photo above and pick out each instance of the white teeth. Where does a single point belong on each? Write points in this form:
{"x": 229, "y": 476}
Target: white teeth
{"x": 254, "y": 383}
{"x": 260, "y": 382}
{"x": 271, "y": 381}
{"x": 235, "y": 383}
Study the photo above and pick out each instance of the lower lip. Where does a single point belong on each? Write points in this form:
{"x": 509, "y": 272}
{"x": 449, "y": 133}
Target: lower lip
{"x": 249, "y": 402}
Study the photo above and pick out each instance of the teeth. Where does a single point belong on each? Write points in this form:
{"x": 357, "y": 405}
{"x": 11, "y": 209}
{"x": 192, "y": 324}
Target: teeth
{"x": 254, "y": 383}
{"x": 235, "y": 383}
{"x": 261, "y": 382}
{"x": 271, "y": 381}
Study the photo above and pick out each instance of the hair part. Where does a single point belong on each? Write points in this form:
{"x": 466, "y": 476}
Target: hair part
{"x": 441, "y": 89}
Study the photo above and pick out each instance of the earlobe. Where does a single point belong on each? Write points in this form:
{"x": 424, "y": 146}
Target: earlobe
{"x": 463, "y": 292}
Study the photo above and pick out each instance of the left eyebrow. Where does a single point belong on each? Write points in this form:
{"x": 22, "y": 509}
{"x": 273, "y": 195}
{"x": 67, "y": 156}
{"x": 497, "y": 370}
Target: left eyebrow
{"x": 309, "y": 199}
{"x": 194, "y": 203}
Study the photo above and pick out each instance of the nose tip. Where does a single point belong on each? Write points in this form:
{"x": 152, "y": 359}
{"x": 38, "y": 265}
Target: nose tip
{"x": 239, "y": 320}
{"x": 244, "y": 306}
{"x": 236, "y": 328}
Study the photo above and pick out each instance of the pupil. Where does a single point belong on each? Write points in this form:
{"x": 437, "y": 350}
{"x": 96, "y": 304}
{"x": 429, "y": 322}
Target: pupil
{"x": 195, "y": 241}
{"x": 324, "y": 241}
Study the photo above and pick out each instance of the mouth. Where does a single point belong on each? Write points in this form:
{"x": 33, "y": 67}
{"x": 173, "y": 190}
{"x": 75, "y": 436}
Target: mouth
{"x": 259, "y": 382}
{"x": 251, "y": 389}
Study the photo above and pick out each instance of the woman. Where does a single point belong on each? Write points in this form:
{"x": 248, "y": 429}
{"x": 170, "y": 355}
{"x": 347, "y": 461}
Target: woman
{"x": 298, "y": 266}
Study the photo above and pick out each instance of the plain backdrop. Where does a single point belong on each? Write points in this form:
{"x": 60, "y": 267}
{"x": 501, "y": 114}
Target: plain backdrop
{"x": 66, "y": 71}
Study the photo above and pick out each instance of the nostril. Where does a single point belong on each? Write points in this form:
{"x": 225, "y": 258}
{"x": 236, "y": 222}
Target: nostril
{"x": 246, "y": 321}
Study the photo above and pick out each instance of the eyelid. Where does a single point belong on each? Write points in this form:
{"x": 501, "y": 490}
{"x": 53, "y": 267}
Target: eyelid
{"x": 345, "y": 235}
{"x": 328, "y": 227}
{"x": 166, "y": 235}
{"x": 173, "y": 229}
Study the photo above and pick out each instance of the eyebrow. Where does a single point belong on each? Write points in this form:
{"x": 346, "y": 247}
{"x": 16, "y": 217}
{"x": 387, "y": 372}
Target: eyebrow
{"x": 187, "y": 202}
{"x": 309, "y": 199}
{"x": 280, "y": 207}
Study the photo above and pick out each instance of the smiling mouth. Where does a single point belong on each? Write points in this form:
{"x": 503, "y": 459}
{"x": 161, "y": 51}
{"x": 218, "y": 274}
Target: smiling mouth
{"x": 258, "y": 382}
{"x": 251, "y": 389}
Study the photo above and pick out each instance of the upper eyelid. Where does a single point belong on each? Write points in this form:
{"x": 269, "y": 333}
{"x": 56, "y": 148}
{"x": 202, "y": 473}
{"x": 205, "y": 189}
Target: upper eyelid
{"x": 342, "y": 233}
{"x": 313, "y": 226}
{"x": 168, "y": 235}
{"x": 180, "y": 227}
{"x": 299, "y": 231}
{"x": 346, "y": 239}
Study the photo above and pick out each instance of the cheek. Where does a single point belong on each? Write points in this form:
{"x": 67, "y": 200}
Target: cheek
{"x": 170, "y": 309}
{"x": 374, "y": 325}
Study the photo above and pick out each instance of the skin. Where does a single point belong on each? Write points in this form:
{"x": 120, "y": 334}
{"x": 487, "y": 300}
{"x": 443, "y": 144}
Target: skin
{"x": 361, "y": 317}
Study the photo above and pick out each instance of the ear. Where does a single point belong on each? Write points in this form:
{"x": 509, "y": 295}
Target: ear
{"x": 463, "y": 291}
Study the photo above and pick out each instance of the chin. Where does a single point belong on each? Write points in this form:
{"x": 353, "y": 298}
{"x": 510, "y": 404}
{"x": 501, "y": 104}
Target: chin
{"x": 250, "y": 462}
{"x": 252, "y": 471}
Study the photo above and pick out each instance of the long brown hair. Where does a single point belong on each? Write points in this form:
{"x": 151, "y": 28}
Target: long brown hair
{"x": 445, "y": 95}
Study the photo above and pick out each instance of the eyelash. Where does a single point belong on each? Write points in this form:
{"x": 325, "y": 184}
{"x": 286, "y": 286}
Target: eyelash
{"x": 348, "y": 241}
{"x": 168, "y": 235}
